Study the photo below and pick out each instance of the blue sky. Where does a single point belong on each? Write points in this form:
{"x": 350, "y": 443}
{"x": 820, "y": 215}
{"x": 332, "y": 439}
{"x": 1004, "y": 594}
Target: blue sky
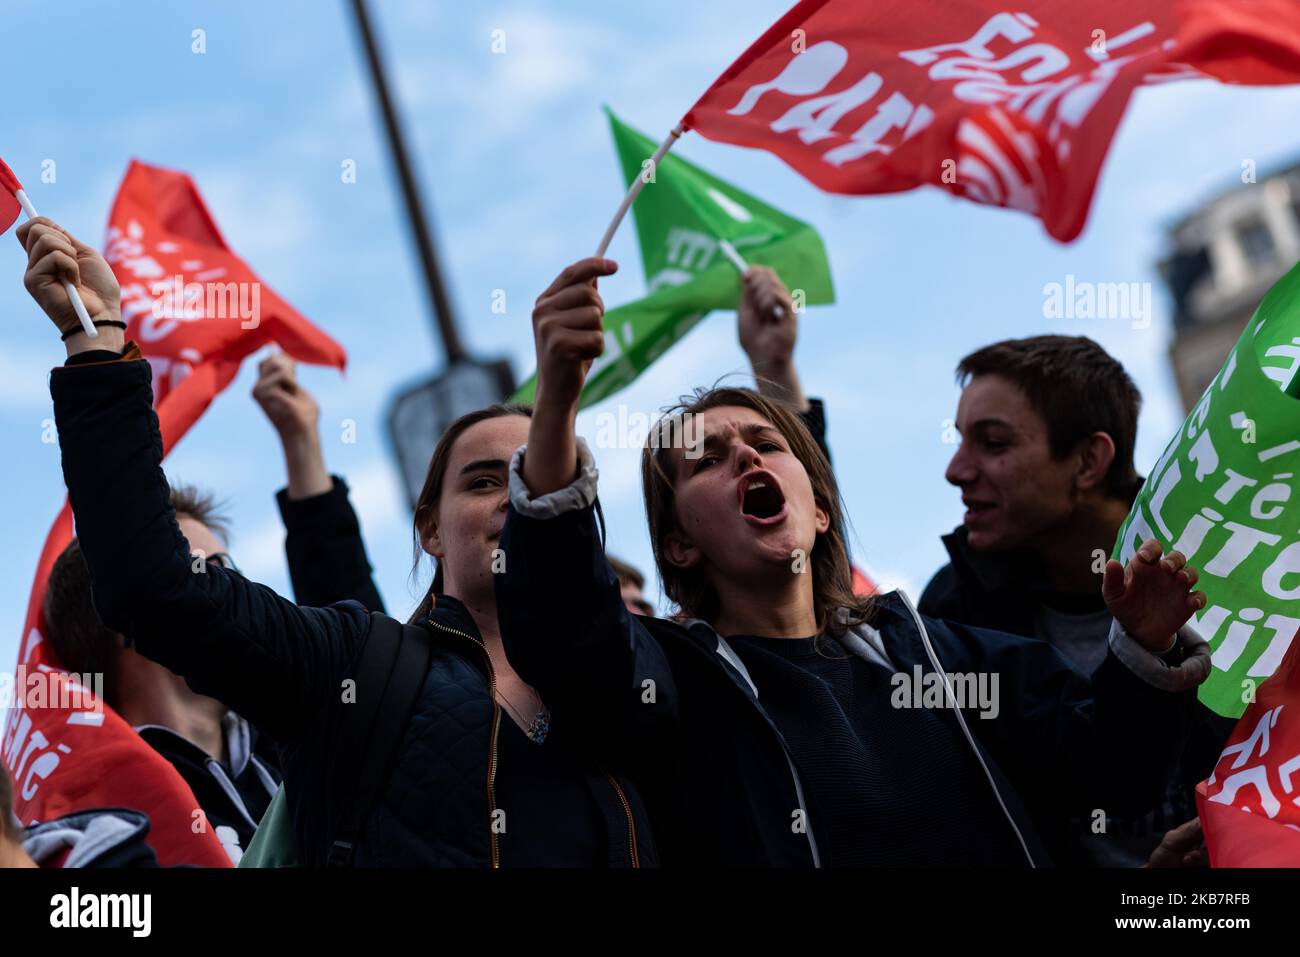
{"x": 517, "y": 162}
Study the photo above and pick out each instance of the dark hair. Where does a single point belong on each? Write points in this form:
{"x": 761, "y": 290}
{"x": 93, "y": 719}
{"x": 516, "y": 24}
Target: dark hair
{"x": 430, "y": 494}
{"x": 6, "y": 803}
{"x": 627, "y": 575}
{"x": 1077, "y": 387}
{"x": 829, "y": 562}
{"x": 191, "y": 502}
{"x": 80, "y": 641}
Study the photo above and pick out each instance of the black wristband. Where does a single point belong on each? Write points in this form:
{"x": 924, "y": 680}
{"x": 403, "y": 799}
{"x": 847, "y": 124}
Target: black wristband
{"x": 97, "y": 323}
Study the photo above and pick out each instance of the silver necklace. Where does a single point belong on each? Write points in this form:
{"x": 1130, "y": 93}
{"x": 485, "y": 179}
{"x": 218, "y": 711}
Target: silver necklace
{"x": 536, "y": 729}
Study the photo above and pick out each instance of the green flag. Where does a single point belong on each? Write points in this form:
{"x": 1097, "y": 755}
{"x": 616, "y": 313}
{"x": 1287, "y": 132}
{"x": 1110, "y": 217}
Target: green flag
{"x": 1224, "y": 493}
{"x": 681, "y": 215}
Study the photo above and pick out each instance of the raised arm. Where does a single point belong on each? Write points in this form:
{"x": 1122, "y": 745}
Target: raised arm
{"x": 768, "y": 329}
{"x": 275, "y": 663}
{"x": 323, "y": 545}
{"x": 563, "y": 622}
{"x": 569, "y": 334}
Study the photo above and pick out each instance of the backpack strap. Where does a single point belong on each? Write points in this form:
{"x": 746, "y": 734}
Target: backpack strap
{"x": 390, "y": 671}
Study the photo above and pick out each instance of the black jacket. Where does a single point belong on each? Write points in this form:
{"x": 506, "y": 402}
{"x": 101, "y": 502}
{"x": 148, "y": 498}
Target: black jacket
{"x": 666, "y": 702}
{"x": 984, "y": 589}
{"x": 1006, "y": 591}
{"x": 323, "y": 546}
{"x": 233, "y": 793}
{"x": 282, "y": 666}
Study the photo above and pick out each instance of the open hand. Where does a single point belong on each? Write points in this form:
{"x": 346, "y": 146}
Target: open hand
{"x": 1152, "y": 596}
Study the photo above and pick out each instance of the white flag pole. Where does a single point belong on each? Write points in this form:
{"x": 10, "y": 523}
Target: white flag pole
{"x": 738, "y": 261}
{"x": 77, "y": 304}
{"x": 637, "y": 185}
{"x": 729, "y": 251}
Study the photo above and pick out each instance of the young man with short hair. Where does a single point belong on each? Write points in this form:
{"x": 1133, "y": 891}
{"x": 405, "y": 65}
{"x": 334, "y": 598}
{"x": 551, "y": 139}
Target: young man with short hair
{"x": 232, "y": 772}
{"x": 1045, "y": 469}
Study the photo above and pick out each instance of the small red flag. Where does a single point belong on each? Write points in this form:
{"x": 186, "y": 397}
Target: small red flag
{"x": 9, "y": 206}
{"x": 1013, "y": 109}
{"x": 194, "y": 307}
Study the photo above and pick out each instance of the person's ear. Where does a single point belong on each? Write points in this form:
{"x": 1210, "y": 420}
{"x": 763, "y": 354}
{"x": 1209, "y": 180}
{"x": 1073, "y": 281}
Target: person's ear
{"x": 431, "y": 538}
{"x": 1096, "y": 455}
{"x": 680, "y": 551}
{"x": 823, "y": 519}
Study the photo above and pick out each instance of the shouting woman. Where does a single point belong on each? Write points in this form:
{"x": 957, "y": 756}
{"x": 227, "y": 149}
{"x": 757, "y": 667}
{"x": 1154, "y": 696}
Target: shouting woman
{"x": 778, "y": 719}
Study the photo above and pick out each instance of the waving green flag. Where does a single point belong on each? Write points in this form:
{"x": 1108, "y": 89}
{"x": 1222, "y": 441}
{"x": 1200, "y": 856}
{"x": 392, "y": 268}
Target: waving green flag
{"x": 681, "y": 216}
{"x": 1225, "y": 494}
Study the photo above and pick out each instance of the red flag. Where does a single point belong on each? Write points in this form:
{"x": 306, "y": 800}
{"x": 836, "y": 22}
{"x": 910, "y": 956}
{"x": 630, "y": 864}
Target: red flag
{"x": 9, "y": 206}
{"x": 1008, "y": 109}
{"x": 84, "y": 755}
{"x": 188, "y": 300}
{"x": 1250, "y": 806}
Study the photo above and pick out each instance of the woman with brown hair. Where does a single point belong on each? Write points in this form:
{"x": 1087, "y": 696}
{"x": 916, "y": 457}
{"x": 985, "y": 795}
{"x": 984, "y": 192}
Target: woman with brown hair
{"x": 479, "y": 775}
{"x": 779, "y": 718}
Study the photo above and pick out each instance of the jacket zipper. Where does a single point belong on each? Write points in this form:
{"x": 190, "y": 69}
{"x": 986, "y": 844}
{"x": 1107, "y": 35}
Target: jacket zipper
{"x": 631, "y": 824}
{"x": 492, "y": 747}
{"x": 492, "y": 758}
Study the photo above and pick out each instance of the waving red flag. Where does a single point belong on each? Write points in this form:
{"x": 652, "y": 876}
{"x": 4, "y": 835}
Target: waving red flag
{"x": 196, "y": 310}
{"x": 9, "y": 188}
{"x": 1008, "y": 109}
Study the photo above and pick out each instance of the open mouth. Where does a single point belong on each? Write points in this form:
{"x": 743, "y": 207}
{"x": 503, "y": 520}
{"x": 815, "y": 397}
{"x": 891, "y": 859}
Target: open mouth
{"x": 761, "y": 499}
{"x": 974, "y": 509}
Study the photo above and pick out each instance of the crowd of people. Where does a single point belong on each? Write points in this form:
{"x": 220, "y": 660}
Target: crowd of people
{"x": 1036, "y": 707}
